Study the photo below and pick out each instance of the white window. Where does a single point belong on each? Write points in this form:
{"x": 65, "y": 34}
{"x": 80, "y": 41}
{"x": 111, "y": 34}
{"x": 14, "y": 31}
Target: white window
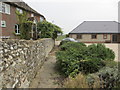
{"x": 32, "y": 15}
{"x": 0, "y": 6}
{"x": 20, "y": 10}
{"x": 4, "y": 8}
{"x": 3, "y": 23}
{"x": 41, "y": 19}
{"x": 7, "y": 9}
{"x": 17, "y": 30}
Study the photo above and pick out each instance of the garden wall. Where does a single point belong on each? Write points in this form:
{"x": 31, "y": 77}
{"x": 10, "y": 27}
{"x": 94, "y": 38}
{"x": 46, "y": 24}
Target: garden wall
{"x": 20, "y": 60}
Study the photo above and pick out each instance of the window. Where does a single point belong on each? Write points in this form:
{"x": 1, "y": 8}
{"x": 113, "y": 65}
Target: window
{"x": 0, "y": 6}
{"x": 79, "y": 36}
{"x": 94, "y": 36}
{"x": 105, "y": 36}
{"x": 41, "y": 19}
{"x": 7, "y": 9}
{"x": 20, "y": 10}
{"x": 3, "y": 23}
{"x": 32, "y": 15}
{"x": 17, "y": 31}
{"x": 4, "y": 8}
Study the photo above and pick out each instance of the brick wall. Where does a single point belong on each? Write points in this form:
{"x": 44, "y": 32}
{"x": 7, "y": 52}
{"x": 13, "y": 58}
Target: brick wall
{"x": 11, "y": 20}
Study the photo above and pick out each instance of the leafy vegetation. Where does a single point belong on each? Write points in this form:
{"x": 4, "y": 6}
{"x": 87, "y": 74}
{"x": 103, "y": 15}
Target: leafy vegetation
{"x": 48, "y": 30}
{"x": 67, "y": 35}
{"x": 25, "y": 25}
{"x": 109, "y": 77}
{"x": 106, "y": 78}
{"x": 99, "y": 51}
{"x": 75, "y": 57}
{"x": 60, "y": 37}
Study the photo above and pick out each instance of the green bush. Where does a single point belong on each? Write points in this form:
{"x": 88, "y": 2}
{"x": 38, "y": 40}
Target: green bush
{"x": 75, "y": 57}
{"x": 25, "y": 30}
{"x": 48, "y": 30}
{"x": 63, "y": 42}
{"x": 90, "y": 66}
{"x": 99, "y": 51}
{"x": 109, "y": 77}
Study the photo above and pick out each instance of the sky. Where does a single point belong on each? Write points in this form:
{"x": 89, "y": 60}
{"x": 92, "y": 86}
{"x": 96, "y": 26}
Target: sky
{"x": 68, "y": 14}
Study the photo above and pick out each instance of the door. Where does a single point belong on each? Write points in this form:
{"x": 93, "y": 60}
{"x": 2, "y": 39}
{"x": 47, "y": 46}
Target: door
{"x": 114, "y": 38}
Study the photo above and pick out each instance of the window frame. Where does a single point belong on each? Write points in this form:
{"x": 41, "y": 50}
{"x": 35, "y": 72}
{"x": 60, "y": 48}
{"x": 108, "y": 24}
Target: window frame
{"x": 79, "y": 36}
{"x": 17, "y": 29}
{"x": 3, "y": 22}
{"x": 0, "y": 6}
{"x": 92, "y": 36}
{"x": 104, "y": 35}
{"x": 32, "y": 15}
{"x": 4, "y": 8}
{"x": 41, "y": 19}
{"x": 7, "y": 9}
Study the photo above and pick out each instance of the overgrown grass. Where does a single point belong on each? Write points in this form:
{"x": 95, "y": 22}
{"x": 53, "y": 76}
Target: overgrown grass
{"x": 80, "y": 81}
{"x": 60, "y": 37}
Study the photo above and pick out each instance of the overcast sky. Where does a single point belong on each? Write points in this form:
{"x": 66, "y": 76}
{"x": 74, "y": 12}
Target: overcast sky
{"x": 70, "y": 13}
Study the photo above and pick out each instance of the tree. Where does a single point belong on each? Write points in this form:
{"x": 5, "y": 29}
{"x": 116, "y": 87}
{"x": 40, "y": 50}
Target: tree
{"x": 48, "y": 30}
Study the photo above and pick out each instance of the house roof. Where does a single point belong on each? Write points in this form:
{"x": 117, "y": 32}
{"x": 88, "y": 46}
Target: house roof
{"x": 97, "y": 27}
{"x": 21, "y": 4}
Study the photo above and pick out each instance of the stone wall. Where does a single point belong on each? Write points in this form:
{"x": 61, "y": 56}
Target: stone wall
{"x": 20, "y": 60}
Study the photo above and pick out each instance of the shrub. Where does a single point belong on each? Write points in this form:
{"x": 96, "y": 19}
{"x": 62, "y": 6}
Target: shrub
{"x": 75, "y": 57}
{"x": 48, "y": 30}
{"x": 109, "y": 77}
{"x": 63, "y": 42}
{"x": 67, "y": 35}
{"x": 99, "y": 51}
{"x": 67, "y": 45}
{"x": 111, "y": 64}
{"x": 90, "y": 66}
{"x": 25, "y": 30}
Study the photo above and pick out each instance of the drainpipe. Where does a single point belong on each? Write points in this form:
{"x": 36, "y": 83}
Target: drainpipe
{"x": 32, "y": 33}
{"x": 36, "y": 31}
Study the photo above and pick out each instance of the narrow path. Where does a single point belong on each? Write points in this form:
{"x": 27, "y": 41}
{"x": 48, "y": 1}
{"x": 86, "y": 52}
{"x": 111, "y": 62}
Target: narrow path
{"x": 47, "y": 76}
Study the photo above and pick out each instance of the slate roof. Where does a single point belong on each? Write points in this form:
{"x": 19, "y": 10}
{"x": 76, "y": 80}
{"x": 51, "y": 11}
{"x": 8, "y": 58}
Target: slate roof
{"x": 96, "y": 27}
{"x": 21, "y": 4}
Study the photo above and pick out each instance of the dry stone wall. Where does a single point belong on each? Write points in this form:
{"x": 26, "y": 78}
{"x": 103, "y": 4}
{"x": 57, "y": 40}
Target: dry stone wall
{"x": 20, "y": 60}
